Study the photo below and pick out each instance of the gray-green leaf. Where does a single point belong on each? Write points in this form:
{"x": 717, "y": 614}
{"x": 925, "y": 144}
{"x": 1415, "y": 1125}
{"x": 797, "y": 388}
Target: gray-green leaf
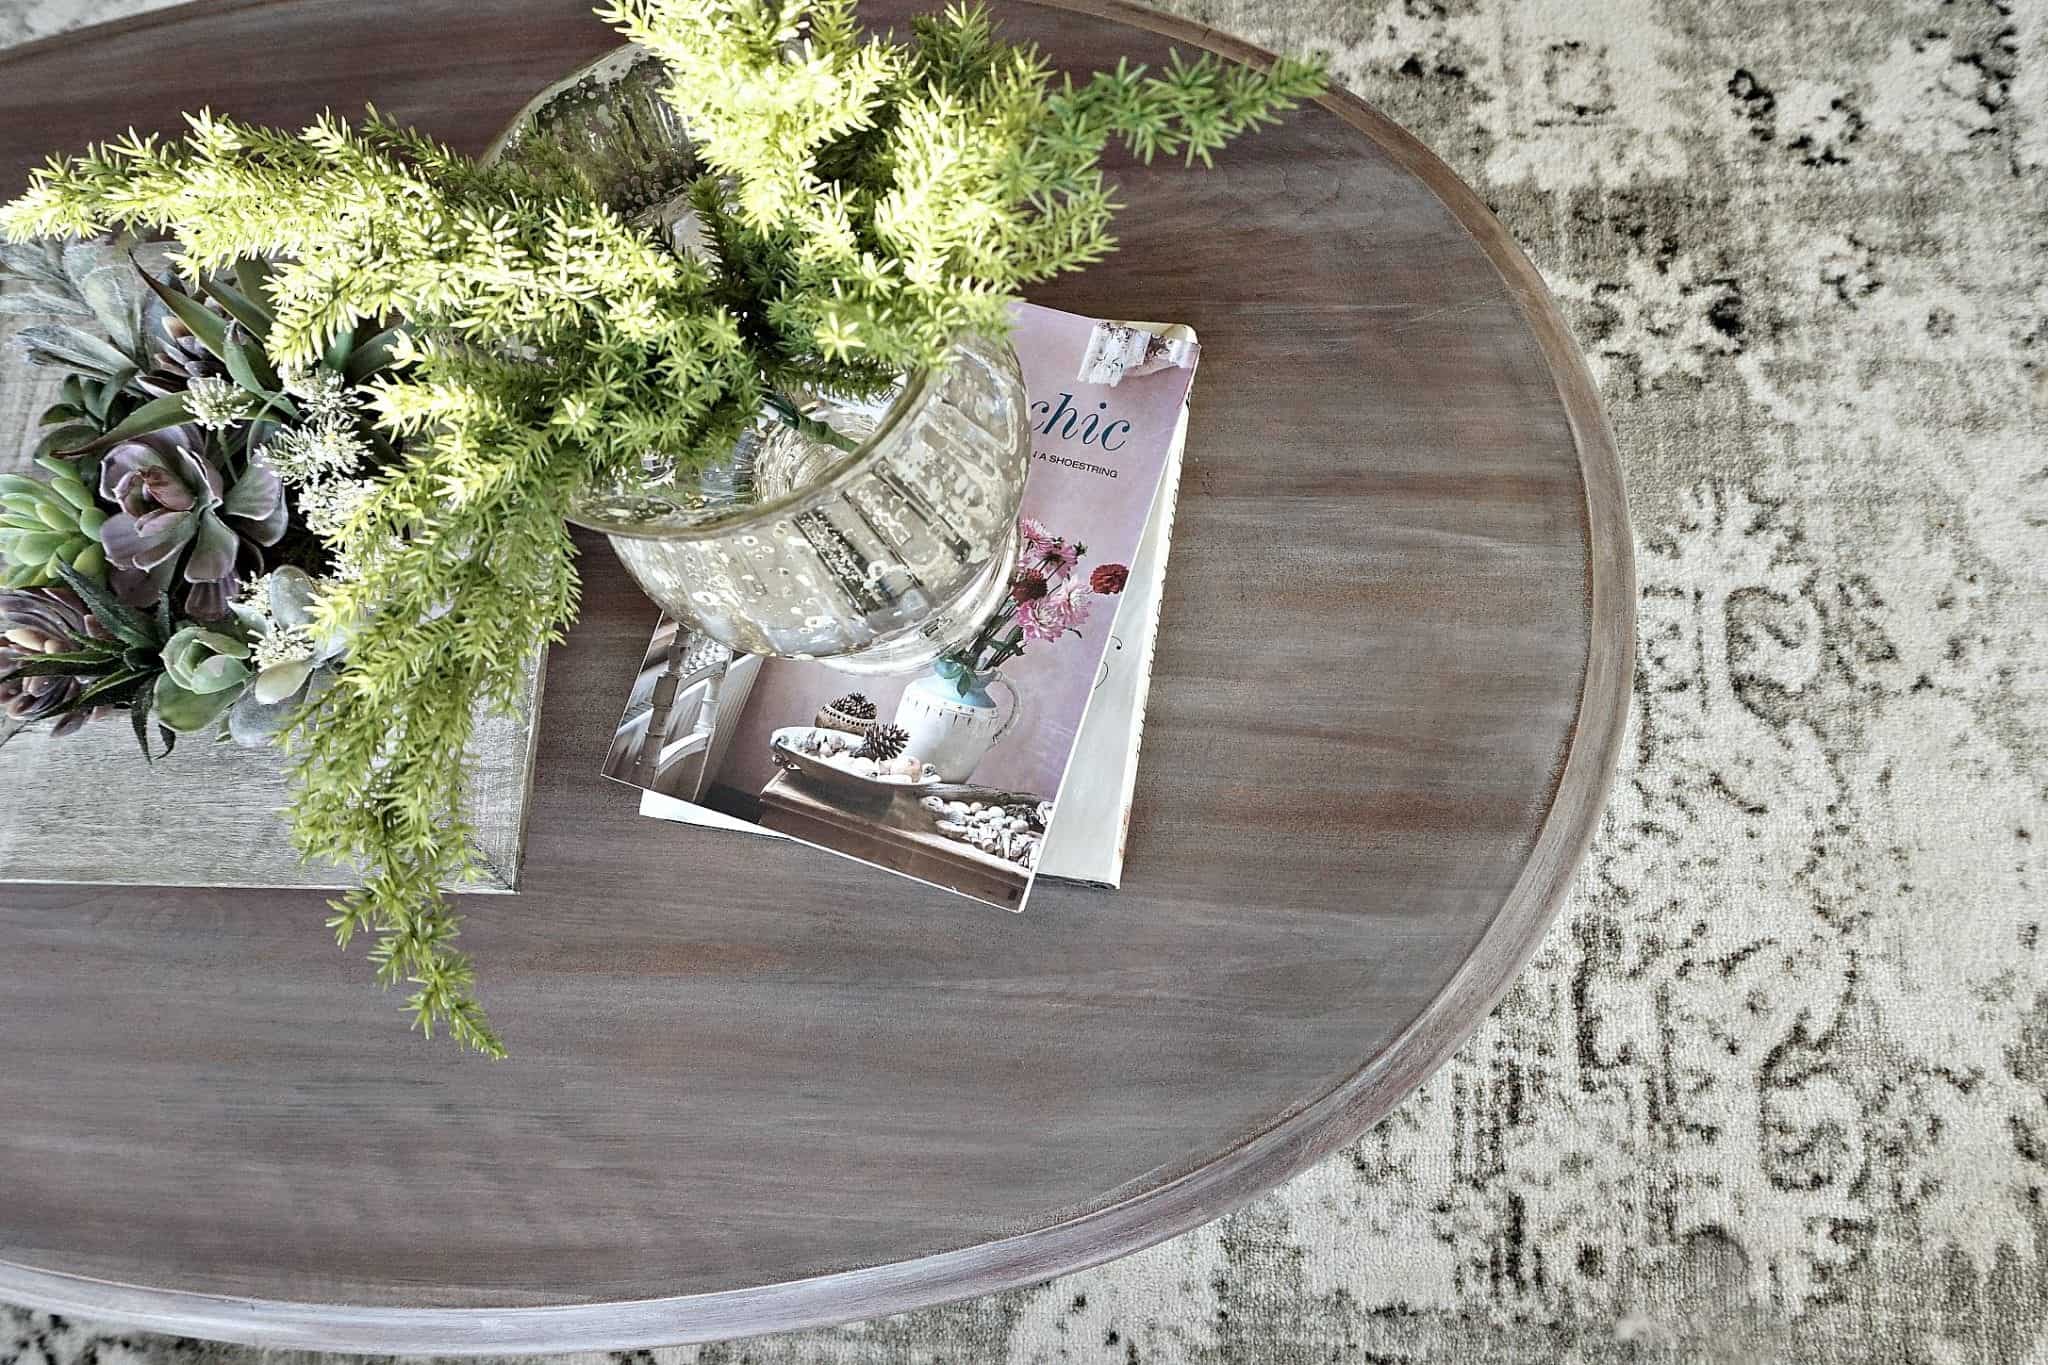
{"x": 35, "y": 303}
{"x": 117, "y": 616}
{"x": 65, "y": 438}
{"x": 114, "y": 293}
{"x": 40, "y": 262}
{"x": 74, "y": 347}
{"x": 251, "y": 369}
{"x": 241, "y": 308}
{"x": 154, "y": 415}
{"x": 210, "y": 327}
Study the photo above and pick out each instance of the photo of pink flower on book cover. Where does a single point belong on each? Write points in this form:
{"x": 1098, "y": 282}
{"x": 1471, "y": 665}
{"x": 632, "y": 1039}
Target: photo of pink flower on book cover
{"x": 1047, "y": 600}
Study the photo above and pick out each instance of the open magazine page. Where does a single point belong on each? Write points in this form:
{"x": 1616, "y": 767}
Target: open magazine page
{"x": 948, "y": 774}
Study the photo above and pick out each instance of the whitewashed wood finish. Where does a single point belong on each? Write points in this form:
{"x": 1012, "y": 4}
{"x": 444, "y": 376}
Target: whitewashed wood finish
{"x": 754, "y": 1086}
{"x": 87, "y": 808}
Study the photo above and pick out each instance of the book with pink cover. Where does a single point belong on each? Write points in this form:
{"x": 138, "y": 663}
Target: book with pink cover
{"x": 1018, "y": 754}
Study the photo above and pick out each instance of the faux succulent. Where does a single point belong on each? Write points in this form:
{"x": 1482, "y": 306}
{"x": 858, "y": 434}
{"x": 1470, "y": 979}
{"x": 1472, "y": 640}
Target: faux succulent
{"x": 96, "y": 318}
{"x": 43, "y": 633}
{"x": 76, "y": 651}
{"x": 85, "y": 410}
{"x": 47, "y": 522}
{"x": 203, "y": 672}
{"x": 293, "y": 657}
{"x": 181, "y": 498}
{"x": 179, "y": 519}
{"x": 181, "y": 360}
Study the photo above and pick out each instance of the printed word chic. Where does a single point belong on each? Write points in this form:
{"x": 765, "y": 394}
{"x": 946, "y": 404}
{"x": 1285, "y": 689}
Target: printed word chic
{"x": 1094, "y": 428}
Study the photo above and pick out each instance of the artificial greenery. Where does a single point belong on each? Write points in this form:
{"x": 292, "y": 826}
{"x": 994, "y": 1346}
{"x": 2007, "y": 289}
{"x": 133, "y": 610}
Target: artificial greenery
{"x": 864, "y": 202}
{"x": 161, "y": 560}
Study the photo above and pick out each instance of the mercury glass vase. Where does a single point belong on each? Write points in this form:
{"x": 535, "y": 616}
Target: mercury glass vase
{"x": 874, "y": 559}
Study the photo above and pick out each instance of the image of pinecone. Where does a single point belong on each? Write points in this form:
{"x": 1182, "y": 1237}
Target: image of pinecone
{"x": 882, "y": 742}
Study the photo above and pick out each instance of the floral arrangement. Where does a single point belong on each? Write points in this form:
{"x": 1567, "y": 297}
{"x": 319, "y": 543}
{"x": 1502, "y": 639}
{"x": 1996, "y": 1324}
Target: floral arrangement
{"x": 166, "y": 561}
{"x": 1047, "y": 600}
{"x": 863, "y": 202}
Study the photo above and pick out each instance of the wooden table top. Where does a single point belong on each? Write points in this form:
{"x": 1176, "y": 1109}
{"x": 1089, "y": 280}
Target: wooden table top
{"x": 1390, "y": 690}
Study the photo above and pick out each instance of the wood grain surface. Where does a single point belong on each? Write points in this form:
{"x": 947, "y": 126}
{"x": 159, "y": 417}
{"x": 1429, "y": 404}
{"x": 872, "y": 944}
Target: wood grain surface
{"x": 753, "y": 1086}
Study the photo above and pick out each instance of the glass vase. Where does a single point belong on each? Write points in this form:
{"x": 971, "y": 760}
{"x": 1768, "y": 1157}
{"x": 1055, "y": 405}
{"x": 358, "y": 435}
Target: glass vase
{"x": 875, "y": 559}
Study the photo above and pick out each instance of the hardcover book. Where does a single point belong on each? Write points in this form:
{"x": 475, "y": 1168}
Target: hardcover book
{"x": 1015, "y": 755}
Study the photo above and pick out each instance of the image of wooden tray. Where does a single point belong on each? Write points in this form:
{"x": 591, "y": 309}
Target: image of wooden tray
{"x": 854, "y": 790}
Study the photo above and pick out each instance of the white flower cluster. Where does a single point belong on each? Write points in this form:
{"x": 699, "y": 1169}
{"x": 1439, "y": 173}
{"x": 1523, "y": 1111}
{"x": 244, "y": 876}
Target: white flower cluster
{"x": 254, "y": 596}
{"x": 322, "y": 449}
{"x": 217, "y": 404}
{"x": 352, "y": 564}
{"x": 322, "y": 457}
{"x": 327, "y": 505}
{"x": 323, "y": 396}
{"x": 275, "y": 643}
{"x": 283, "y": 645}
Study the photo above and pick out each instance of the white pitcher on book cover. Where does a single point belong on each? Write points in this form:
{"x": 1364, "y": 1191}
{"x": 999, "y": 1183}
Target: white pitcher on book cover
{"x": 951, "y": 720}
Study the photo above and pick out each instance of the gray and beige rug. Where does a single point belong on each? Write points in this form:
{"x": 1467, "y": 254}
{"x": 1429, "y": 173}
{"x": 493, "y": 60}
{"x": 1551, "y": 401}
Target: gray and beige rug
{"x": 1777, "y": 1086}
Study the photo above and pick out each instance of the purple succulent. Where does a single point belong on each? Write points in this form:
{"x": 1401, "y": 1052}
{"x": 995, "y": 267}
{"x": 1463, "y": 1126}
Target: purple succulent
{"x": 180, "y": 356}
{"x": 176, "y": 510}
{"x": 35, "y": 622}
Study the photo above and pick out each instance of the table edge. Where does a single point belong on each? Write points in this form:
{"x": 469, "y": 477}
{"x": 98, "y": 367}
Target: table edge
{"x": 1141, "y": 1219}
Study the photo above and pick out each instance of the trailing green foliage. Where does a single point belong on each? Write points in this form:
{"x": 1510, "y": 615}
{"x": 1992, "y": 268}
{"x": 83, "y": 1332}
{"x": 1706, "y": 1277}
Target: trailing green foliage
{"x": 867, "y": 202}
{"x": 874, "y": 200}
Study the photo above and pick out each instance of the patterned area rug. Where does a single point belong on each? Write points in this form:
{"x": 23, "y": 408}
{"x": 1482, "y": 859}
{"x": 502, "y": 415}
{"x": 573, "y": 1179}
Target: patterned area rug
{"x": 1777, "y": 1086}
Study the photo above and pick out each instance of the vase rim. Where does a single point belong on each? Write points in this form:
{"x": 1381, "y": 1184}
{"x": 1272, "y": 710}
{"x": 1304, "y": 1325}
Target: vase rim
{"x": 626, "y": 56}
{"x": 912, "y": 398}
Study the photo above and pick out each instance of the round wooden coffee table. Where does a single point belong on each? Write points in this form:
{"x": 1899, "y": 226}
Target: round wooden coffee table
{"x": 754, "y": 1086}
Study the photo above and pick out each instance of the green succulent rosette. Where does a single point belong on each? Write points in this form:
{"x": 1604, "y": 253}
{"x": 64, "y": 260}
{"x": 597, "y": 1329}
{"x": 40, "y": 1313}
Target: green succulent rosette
{"x": 204, "y": 671}
{"x": 294, "y": 659}
{"x": 44, "y": 523}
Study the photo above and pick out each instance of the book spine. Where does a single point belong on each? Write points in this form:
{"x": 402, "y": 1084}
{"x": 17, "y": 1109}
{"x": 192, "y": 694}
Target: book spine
{"x": 1169, "y": 503}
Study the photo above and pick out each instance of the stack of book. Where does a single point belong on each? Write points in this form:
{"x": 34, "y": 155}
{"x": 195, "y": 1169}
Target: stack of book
{"x": 1014, "y": 758}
